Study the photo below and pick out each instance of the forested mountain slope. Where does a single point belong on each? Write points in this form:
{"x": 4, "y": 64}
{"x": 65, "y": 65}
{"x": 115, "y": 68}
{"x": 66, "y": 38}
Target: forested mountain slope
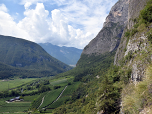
{"x": 28, "y": 55}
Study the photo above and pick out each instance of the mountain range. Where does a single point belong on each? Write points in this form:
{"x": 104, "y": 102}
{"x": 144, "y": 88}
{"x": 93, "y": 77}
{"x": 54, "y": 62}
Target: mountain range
{"x": 68, "y": 55}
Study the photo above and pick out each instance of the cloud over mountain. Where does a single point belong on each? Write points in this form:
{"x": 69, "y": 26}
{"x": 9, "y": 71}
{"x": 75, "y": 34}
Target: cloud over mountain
{"x": 71, "y": 23}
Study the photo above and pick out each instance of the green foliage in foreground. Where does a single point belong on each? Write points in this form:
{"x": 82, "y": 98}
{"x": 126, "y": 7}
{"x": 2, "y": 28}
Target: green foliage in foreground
{"x": 82, "y": 95}
{"x": 89, "y": 71}
{"x": 98, "y": 94}
{"x": 138, "y": 96}
{"x": 146, "y": 13}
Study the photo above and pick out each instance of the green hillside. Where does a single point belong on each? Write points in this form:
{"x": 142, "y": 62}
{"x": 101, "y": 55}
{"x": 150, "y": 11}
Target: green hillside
{"x": 91, "y": 73}
{"x": 21, "y": 53}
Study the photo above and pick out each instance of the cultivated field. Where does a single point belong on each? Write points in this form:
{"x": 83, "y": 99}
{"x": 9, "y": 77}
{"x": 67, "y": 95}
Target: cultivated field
{"x": 51, "y": 96}
{"x": 14, "y": 106}
{"x": 9, "y": 84}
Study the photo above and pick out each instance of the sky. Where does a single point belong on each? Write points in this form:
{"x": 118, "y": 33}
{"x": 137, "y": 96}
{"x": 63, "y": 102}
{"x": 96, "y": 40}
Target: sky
{"x": 71, "y": 23}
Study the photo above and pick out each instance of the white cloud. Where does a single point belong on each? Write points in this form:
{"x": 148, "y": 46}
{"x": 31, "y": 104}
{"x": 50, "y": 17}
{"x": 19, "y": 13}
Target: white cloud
{"x": 27, "y": 5}
{"x": 88, "y": 13}
{"x": 3, "y": 8}
{"x": 9, "y": 27}
{"x": 35, "y": 23}
{"x": 54, "y": 29}
{"x": 73, "y": 24}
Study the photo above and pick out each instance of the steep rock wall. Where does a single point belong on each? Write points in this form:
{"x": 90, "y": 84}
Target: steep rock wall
{"x": 108, "y": 38}
{"x": 135, "y": 6}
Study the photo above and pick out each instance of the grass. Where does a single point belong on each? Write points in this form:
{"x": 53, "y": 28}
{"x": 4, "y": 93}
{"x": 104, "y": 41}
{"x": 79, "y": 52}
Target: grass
{"x": 71, "y": 88}
{"x": 30, "y": 91}
{"x": 138, "y": 96}
{"x": 30, "y": 98}
{"x": 36, "y": 103}
{"x": 33, "y": 102}
{"x": 15, "y": 107}
{"x": 51, "y": 96}
{"x": 59, "y": 102}
{"x": 65, "y": 96}
{"x": 61, "y": 82}
{"x": 10, "y": 84}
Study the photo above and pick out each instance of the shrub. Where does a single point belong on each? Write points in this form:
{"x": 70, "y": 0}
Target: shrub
{"x": 129, "y": 56}
{"x": 56, "y": 87}
{"x": 44, "y": 89}
{"x": 133, "y": 32}
{"x": 146, "y": 13}
{"x": 127, "y": 34}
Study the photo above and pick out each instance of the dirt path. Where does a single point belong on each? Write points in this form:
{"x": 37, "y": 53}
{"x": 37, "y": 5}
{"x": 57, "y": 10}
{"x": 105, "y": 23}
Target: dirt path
{"x": 41, "y": 102}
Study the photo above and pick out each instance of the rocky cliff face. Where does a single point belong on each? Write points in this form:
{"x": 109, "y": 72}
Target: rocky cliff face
{"x": 133, "y": 12}
{"x": 134, "y": 52}
{"x": 108, "y": 38}
{"x": 135, "y": 44}
{"x": 118, "y": 13}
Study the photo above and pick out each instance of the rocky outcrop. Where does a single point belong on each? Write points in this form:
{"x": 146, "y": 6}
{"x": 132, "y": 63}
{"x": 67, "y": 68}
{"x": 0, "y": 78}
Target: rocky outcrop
{"x": 135, "y": 6}
{"x": 108, "y": 38}
{"x": 118, "y": 13}
{"x": 134, "y": 53}
{"x": 136, "y": 46}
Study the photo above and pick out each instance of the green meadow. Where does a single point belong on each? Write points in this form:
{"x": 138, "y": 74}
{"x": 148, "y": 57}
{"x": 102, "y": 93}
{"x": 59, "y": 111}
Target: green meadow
{"x": 14, "y": 107}
{"x": 9, "y": 84}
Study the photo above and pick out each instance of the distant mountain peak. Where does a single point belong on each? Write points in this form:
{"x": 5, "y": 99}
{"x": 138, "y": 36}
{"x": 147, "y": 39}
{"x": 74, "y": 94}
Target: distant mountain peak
{"x": 68, "y": 55}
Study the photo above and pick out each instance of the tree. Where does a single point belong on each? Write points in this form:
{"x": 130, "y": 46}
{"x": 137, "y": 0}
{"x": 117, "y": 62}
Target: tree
{"x": 108, "y": 97}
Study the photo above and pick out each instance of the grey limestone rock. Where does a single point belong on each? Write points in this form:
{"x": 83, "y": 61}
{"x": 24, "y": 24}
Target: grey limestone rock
{"x": 108, "y": 38}
{"x": 135, "y": 6}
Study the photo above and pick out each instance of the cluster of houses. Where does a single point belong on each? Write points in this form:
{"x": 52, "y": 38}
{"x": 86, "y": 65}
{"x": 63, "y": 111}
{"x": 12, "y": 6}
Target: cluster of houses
{"x": 15, "y": 99}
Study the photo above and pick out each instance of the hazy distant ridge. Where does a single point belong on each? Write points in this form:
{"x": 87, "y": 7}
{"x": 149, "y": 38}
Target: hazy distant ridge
{"x": 68, "y": 55}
